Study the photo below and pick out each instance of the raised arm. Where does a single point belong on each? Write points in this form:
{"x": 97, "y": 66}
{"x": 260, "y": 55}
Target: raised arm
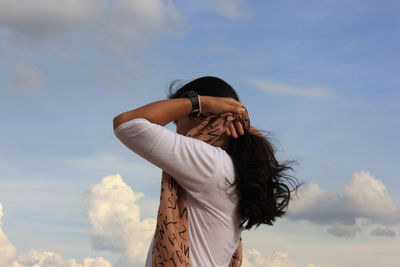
{"x": 159, "y": 112}
{"x": 164, "y": 111}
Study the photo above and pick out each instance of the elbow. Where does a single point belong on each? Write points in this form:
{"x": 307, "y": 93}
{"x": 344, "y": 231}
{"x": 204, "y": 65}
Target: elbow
{"x": 118, "y": 120}
{"x": 123, "y": 117}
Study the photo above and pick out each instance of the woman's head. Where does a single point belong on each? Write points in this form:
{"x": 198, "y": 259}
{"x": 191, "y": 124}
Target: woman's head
{"x": 204, "y": 86}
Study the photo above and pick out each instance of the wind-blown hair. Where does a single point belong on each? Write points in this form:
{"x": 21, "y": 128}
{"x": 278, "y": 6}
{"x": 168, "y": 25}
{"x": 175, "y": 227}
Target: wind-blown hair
{"x": 263, "y": 186}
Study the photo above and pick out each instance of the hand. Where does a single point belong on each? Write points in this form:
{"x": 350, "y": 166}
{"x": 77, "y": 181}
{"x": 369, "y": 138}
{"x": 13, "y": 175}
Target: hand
{"x": 211, "y": 105}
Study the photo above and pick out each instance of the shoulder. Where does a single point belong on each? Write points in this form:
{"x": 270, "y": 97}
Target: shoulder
{"x": 195, "y": 164}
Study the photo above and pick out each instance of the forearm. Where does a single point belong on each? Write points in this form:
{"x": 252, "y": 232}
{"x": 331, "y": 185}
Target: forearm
{"x": 160, "y": 112}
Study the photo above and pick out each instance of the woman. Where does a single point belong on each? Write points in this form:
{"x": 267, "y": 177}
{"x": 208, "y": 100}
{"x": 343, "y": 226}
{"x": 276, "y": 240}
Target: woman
{"x": 220, "y": 175}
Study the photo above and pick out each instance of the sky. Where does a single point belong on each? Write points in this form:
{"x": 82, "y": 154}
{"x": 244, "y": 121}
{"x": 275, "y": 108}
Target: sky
{"x": 319, "y": 77}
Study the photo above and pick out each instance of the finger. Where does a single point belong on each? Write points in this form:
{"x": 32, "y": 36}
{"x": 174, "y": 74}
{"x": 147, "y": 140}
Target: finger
{"x": 233, "y": 131}
{"x": 228, "y": 133}
{"x": 239, "y": 127}
{"x": 241, "y": 108}
{"x": 234, "y": 102}
{"x": 237, "y": 108}
{"x": 231, "y": 105}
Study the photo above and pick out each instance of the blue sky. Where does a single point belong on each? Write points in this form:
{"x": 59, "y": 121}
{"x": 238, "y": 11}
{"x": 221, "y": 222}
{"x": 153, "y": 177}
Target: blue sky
{"x": 320, "y": 76}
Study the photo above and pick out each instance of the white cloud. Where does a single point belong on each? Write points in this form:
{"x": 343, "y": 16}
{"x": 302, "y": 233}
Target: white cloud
{"x": 26, "y": 77}
{"x": 273, "y": 87}
{"x": 370, "y": 198}
{"x": 9, "y": 258}
{"x": 111, "y": 209}
{"x": 7, "y": 249}
{"x": 254, "y": 258}
{"x": 363, "y": 197}
{"x": 232, "y": 9}
{"x": 120, "y": 25}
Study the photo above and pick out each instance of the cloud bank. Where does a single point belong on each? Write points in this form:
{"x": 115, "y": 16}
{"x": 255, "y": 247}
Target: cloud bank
{"x": 115, "y": 226}
{"x": 9, "y": 257}
{"x": 254, "y": 258}
{"x": 118, "y": 25}
{"x": 363, "y": 197}
{"x": 46, "y": 258}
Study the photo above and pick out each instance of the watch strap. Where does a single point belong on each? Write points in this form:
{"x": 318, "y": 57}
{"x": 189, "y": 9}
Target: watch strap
{"x": 194, "y": 98}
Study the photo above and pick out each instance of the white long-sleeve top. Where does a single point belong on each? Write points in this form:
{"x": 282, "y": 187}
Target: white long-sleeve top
{"x": 201, "y": 169}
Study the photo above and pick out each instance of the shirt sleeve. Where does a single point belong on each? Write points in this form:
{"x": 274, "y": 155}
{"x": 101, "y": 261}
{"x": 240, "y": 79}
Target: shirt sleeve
{"x": 192, "y": 162}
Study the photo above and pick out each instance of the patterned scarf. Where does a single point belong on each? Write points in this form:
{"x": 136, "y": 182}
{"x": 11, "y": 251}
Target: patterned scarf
{"x": 171, "y": 237}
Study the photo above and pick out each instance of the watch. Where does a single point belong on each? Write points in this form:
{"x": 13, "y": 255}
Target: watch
{"x": 195, "y": 99}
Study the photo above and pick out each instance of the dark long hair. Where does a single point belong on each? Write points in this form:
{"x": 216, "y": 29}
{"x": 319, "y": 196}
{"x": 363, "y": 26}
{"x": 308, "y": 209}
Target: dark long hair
{"x": 263, "y": 185}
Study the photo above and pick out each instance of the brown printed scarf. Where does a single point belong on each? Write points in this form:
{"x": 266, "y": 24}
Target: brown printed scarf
{"x": 171, "y": 237}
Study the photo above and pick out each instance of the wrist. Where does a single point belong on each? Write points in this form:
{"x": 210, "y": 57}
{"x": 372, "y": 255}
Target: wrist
{"x": 203, "y": 103}
{"x": 195, "y": 100}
